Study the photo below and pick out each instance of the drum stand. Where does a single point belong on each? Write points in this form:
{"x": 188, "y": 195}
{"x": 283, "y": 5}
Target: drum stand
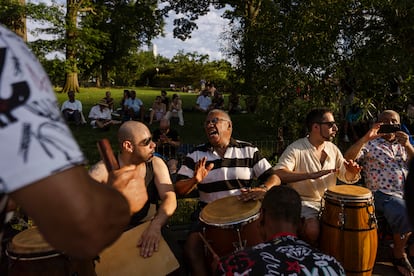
{"x": 241, "y": 244}
{"x": 238, "y": 245}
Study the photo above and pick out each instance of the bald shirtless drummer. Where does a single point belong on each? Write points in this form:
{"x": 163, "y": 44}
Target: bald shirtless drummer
{"x": 152, "y": 182}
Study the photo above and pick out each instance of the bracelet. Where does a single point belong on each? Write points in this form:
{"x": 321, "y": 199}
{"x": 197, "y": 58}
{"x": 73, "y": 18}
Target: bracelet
{"x": 264, "y": 187}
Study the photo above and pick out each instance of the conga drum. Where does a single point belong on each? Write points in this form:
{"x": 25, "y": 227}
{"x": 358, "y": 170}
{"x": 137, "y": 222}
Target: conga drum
{"x": 29, "y": 254}
{"x": 231, "y": 224}
{"x": 349, "y": 228}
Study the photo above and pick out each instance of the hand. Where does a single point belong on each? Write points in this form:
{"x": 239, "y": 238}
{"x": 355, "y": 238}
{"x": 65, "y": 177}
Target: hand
{"x": 352, "y": 166}
{"x": 163, "y": 139}
{"x": 255, "y": 193}
{"x": 402, "y": 138}
{"x": 150, "y": 240}
{"x": 127, "y": 181}
{"x": 201, "y": 170}
{"x": 373, "y": 133}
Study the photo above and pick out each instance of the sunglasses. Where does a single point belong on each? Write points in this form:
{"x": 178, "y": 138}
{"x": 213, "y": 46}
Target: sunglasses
{"x": 146, "y": 142}
{"x": 329, "y": 124}
{"x": 214, "y": 121}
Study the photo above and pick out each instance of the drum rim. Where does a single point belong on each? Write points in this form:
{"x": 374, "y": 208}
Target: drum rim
{"x": 231, "y": 224}
{"x": 336, "y": 192}
{"x": 345, "y": 198}
{"x": 31, "y": 256}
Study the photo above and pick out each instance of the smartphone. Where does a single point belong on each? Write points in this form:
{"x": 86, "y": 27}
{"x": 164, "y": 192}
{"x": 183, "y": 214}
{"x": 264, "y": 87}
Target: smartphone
{"x": 388, "y": 128}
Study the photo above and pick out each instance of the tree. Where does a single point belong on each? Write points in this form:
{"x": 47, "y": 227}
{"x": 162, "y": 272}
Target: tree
{"x": 126, "y": 26}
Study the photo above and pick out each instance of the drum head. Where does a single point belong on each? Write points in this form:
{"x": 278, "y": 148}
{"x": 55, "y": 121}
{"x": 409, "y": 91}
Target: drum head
{"x": 29, "y": 241}
{"x": 348, "y": 192}
{"x": 228, "y": 211}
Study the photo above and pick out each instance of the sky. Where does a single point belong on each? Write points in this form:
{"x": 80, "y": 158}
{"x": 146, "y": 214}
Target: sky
{"x": 204, "y": 40}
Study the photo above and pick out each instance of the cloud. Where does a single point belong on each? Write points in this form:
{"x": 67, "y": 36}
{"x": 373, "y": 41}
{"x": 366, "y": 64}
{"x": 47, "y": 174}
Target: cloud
{"x": 204, "y": 40}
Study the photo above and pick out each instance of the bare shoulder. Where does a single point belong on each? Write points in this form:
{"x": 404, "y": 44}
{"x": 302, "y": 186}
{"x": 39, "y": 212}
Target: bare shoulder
{"x": 98, "y": 172}
{"x": 159, "y": 164}
{"x": 161, "y": 170}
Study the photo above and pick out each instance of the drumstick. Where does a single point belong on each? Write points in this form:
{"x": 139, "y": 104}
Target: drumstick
{"x": 107, "y": 155}
{"x": 215, "y": 256}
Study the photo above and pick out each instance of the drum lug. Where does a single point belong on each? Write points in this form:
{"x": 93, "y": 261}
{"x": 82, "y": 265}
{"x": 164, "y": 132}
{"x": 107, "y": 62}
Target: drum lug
{"x": 372, "y": 221}
{"x": 341, "y": 216}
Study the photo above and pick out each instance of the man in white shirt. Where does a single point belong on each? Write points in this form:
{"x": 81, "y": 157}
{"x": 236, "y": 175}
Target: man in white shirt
{"x": 100, "y": 115}
{"x": 313, "y": 164}
{"x": 134, "y": 108}
{"x": 72, "y": 109}
{"x": 203, "y": 102}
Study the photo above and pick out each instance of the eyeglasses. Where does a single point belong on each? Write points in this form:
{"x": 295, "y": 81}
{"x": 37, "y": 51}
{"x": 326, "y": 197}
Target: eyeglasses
{"x": 145, "y": 142}
{"x": 329, "y": 124}
{"x": 214, "y": 121}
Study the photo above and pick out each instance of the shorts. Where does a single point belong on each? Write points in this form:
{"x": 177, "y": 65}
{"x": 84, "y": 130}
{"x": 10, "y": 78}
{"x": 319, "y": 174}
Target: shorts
{"x": 310, "y": 209}
{"x": 395, "y": 212}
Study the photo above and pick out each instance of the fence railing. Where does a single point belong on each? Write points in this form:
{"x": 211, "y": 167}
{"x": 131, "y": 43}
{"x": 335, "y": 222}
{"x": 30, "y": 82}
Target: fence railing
{"x": 268, "y": 148}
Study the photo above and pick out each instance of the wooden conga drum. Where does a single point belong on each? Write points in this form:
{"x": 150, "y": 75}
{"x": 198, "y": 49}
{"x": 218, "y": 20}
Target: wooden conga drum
{"x": 29, "y": 255}
{"x": 231, "y": 224}
{"x": 349, "y": 228}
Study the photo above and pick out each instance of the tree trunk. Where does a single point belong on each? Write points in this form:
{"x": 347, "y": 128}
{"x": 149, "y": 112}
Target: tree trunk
{"x": 23, "y": 30}
{"x": 71, "y": 82}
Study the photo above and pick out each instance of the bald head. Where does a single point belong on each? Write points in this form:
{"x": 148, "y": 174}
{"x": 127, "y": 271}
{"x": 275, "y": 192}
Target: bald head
{"x": 223, "y": 114}
{"x": 164, "y": 123}
{"x": 386, "y": 114}
{"x": 131, "y": 131}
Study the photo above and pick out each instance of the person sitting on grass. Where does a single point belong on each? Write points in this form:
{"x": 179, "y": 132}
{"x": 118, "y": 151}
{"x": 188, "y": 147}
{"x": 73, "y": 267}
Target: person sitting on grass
{"x": 203, "y": 101}
{"x": 72, "y": 109}
{"x": 134, "y": 108}
{"x": 158, "y": 110}
{"x": 100, "y": 116}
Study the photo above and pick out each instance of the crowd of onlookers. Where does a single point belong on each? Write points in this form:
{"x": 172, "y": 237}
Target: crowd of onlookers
{"x": 104, "y": 114}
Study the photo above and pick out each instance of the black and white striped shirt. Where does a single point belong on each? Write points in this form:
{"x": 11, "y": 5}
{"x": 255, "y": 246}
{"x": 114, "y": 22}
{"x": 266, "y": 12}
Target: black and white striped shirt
{"x": 242, "y": 163}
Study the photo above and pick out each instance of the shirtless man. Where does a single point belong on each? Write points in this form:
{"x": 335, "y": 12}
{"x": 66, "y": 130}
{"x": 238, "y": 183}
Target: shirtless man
{"x": 152, "y": 182}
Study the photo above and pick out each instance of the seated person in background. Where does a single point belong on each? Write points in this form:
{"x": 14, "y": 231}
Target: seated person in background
{"x": 219, "y": 168}
{"x": 218, "y": 101}
{"x": 176, "y": 110}
{"x": 100, "y": 116}
{"x": 72, "y": 109}
{"x": 313, "y": 164}
{"x": 211, "y": 89}
{"x": 385, "y": 158}
{"x": 234, "y": 102}
{"x": 134, "y": 108}
{"x": 125, "y": 97}
{"x": 167, "y": 141}
{"x": 203, "y": 101}
{"x": 152, "y": 182}
{"x": 158, "y": 110}
{"x": 164, "y": 99}
{"x": 109, "y": 100}
{"x": 282, "y": 253}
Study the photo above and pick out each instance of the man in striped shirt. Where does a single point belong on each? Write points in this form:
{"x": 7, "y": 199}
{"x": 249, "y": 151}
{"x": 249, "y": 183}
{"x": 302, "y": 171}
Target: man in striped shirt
{"x": 219, "y": 168}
